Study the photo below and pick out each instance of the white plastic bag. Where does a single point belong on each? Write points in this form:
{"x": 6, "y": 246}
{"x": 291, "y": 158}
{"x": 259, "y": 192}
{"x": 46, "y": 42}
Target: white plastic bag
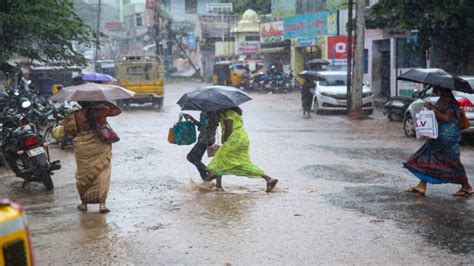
{"x": 426, "y": 124}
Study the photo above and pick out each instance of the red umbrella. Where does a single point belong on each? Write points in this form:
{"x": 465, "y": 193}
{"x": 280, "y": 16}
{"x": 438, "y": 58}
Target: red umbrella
{"x": 92, "y": 92}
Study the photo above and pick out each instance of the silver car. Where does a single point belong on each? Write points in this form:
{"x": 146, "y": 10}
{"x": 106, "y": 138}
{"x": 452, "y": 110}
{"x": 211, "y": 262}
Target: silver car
{"x": 426, "y": 95}
{"x": 331, "y": 93}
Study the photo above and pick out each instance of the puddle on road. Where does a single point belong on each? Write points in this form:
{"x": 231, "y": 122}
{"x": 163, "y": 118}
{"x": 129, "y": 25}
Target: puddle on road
{"x": 443, "y": 221}
{"x": 346, "y": 173}
{"x": 395, "y": 154}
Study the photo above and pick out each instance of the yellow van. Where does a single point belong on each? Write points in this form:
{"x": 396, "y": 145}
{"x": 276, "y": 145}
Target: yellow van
{"x": 14, "y": 236}
{"x": 142, "y": 75}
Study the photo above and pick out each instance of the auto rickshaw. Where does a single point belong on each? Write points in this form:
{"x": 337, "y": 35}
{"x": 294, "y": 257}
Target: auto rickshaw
{"x": 227, "y": 73}
{"x": 15, "y": 240}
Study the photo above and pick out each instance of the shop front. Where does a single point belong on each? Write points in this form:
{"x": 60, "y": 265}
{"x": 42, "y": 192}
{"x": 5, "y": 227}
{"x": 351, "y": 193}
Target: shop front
{"x": 308, "y": 34}
{"x": 274, "y": 48}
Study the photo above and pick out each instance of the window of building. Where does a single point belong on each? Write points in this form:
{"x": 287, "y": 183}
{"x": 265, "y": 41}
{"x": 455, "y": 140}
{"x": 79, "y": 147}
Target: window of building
{"x": 408, "y": 53}
{"x": 138, "y": 20}
{"x": 191, "y": 6}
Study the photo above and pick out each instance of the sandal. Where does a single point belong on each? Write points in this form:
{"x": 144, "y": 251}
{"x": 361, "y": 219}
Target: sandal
{"x": 271, "y": 184}
{"x": 463, "y": 192}
{"x": 415, "y": 191}
{"x": 82, "y": 207}
{"x": 104, "y": 210}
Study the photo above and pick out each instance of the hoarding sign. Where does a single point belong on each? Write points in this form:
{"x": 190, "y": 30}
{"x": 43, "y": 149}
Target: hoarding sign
{"x": 337, "y": 50}
{"x": 248, "y": 48}
{"x": 395, "y": 33}
{"x": 112, "y": 26}
{"x": 309, "y": 25}
{"x": 336, "y": 4}
{"x": 271, "y": 32}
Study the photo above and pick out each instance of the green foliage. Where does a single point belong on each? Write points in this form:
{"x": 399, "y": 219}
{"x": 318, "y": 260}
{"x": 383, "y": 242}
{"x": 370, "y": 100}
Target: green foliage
{"x": 262, "y": 7}
{"x": 448, "y": 24}
{"x": 42, "y": 29}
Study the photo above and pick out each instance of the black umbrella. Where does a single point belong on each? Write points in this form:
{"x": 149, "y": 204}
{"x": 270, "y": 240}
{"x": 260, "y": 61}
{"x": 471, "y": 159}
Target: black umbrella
{"x": 437, "y": 77}
{"x": 213, "y": 98}
{"x": 318, "y": 61}
{"x": 309, "y": 74}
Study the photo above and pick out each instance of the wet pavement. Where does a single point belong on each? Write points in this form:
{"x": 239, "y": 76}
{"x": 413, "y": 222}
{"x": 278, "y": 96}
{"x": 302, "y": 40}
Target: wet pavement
{"x": 340, "y": 199}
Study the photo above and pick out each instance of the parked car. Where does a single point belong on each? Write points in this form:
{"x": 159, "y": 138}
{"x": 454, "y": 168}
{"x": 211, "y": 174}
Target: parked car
{"x": 331, "y": 93}
{"x": 465, "y": 100}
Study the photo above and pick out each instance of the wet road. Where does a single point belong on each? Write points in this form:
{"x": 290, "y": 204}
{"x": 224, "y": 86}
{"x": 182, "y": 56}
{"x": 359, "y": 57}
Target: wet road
{"x": 340, "y": 199}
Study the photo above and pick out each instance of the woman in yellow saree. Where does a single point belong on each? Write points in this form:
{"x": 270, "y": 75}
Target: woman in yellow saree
{"x": 93, "y": 157}
{"x": 233, "y": 157}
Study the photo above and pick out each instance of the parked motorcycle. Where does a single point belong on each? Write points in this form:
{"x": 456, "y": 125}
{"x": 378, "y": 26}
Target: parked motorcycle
{"x": 395, "y": 108}
{"x": 61, "y": 111}
{"x": 23, "y": 147}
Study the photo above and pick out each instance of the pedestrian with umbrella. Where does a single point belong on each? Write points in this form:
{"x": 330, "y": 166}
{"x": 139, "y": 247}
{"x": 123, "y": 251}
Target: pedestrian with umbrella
{"x": 232, "y": 158}
{"x": 207, "y": 126}
{"x": 307, "y": 91}
{"x": 93, "y": 138}
{"x": 438, "y": 160}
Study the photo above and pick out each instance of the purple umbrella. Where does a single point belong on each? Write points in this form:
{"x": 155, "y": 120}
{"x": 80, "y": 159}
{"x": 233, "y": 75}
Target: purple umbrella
{"x": 98, "y": 77}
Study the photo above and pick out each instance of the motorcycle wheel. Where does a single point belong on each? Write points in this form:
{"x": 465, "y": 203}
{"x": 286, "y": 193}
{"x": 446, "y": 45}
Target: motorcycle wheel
{"x": 43, "y": 173}
{"x": 47, "y": 181}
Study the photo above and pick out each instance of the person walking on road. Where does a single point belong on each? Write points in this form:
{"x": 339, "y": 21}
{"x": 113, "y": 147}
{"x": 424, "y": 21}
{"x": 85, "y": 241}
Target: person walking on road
{"x": 438, "y": 160}
{"x": 233, "y": 157}
{"x": 93, "y": 157}
{"x": 307, "y": 92}
{"x": 207, "y": 126}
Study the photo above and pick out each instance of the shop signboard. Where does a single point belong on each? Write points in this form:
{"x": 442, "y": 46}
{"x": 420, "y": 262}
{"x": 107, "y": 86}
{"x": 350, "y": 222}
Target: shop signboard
{"x": 113, "y": 26}
{"x": 336, "y": 4}
{"x": 395, "y": 33}
{"x": 337, "y": 50}
{"x": 271, "y": 32}
{"x": 283, "y": 8}
{"x": 248, "y": 47}
{"x": 309, "y": 41}
{"x": 308, "y": 25}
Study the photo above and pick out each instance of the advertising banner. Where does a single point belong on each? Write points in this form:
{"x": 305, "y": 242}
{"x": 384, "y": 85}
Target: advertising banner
{"x": 248, "y": 48}
{"x": 337, "y": 50}
{"x": 271, "y": 32}
{"x": 336, "y": 4}
{"x": 309, "y": 25}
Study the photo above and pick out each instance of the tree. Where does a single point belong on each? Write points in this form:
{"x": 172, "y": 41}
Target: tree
{"x": 446, "y": 26}
{"x": 43, "y": 30}
{"x": 260, "y": 6}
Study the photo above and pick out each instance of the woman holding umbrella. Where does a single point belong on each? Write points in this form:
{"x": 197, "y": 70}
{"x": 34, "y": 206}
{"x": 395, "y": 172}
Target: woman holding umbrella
{"x": 307, "y": 93}
{"x": 233, "y": 157}
{"x": 438, "y": 160}
{"x": 92, "y": 138}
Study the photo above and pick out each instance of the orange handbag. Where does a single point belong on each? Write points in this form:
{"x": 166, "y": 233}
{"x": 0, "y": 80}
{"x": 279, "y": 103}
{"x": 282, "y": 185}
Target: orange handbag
{"x": 171, "y": 136}
{"x": 463, "y": 121}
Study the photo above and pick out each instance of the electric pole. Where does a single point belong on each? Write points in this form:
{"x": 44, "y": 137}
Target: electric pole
{"x": 97, "y": 38}
{"x": 157, "y": 6}
{"x": 356, "y": 92}
{"x": 349, "y": 55}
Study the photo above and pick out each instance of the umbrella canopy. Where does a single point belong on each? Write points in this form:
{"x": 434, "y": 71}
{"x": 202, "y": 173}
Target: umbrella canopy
{"x": 437, "y": 77}
{"x": 97, "y": 77}
{"x": 309, "y": 74}
{"x": 318, "y": 61}
{"x": 213, "y": 98}
{"x": 92, "y": 92}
